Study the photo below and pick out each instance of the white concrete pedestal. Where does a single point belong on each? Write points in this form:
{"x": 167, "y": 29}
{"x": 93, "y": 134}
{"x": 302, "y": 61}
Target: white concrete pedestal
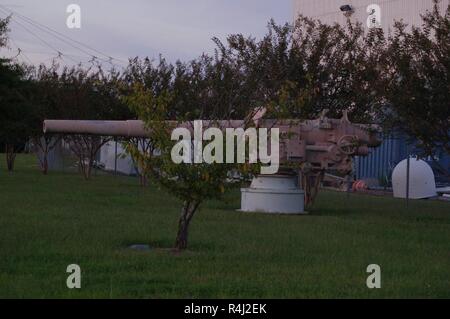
{"x": 273, "y": 194}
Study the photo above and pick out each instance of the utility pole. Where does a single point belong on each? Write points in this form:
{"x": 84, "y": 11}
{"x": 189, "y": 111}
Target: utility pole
{"x": 408, "y": 165}
{"x": 115, "y": 157}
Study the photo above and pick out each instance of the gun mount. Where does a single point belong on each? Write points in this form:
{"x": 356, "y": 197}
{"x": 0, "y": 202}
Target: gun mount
{"x": 324, "y": 143}
{"x": 314, "y": 146}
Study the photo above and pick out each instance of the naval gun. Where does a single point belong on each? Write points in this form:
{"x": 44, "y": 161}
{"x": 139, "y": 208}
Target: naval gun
{"x": 313, "y": 146}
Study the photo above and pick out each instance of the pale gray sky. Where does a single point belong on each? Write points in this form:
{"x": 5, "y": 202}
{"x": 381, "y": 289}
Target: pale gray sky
{"x": 178, "y": 29}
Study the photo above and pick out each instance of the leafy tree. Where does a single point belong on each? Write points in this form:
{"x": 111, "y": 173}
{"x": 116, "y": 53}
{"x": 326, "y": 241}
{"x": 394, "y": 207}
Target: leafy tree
{"x": 416, "y": 81}
{"x": 15, "y": 105}
{"x": 295, "y": 71}
{"x": 4, "y": 31}
{"x": 46, "y": 105}
{"x": 89, "y": 94}
{"x": 205, "y": 88}
{"x": 14, "y": 110}
{"x": 301, "y": 70}
{"x": 196, "y": 90}
{"x": 298, "y": 70}
{"x": 155, "y": 79}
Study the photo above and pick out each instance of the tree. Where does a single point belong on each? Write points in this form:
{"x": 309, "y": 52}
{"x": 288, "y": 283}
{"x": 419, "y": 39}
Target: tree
{"x": 202, "y": 89}
{"x": 15, "y": 104}
{"x": 299, "y": 70}
{"x": 14, "y": 110}
{"x": 145, "y": 146}
{"x": 89, "y": 94}
{"x": 205, "y": 88}
{"x": 294, "y": 72}
{"x": 4, "y": 31}
{"x": 46, "y": 105}
{"x": 305, "y": 69}
{"x": 155, "y": 79}
{"x": 416, "y": 85}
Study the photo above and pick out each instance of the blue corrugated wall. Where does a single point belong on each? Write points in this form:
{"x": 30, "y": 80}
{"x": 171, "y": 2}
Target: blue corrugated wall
{"x": 382, "y": 160}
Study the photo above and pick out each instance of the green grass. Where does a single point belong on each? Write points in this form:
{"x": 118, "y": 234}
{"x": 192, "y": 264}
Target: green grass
{"x": 49, "y": 222}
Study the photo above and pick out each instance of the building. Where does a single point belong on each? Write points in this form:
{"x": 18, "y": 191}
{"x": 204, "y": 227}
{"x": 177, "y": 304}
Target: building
{"x": 371, "y": 13}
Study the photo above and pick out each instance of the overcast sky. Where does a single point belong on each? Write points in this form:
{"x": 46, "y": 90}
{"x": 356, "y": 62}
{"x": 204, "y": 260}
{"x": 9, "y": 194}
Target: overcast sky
{"x": 178, "y": 29}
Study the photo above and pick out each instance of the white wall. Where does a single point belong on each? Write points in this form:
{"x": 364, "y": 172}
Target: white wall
{"x": 125, "y": 164}
{"x": 328, "y": 10}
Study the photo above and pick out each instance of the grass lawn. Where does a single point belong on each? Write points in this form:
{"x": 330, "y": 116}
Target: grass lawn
{"x": 49, "y": 222}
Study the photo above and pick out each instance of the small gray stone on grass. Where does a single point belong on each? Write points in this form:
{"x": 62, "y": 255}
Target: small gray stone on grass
{"x": 140, "y": 247}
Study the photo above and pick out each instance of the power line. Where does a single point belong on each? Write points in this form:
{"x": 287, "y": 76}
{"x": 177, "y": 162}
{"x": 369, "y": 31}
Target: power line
{"x": 64, "y": 38}
{"x": 20, "y": 52}
{"x": 38, "y": 37}
{"x": 60, "y": 38}
{"x": 50, "y": 53}
{"x": 93, "y": 59}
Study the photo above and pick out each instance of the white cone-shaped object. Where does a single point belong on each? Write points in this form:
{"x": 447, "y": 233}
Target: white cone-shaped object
{"x": 421, "y": 180}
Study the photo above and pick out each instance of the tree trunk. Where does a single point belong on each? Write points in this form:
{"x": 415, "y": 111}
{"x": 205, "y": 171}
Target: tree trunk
{"x": 143, "y": 181}
{"x": 86, "y": 168}
{"x": 144, "y": 146}
{"x": 44, "y": 160}
{"x": 44, "y": 167}
{"x": 10, "y": 157}
{"x": 42, "y": 146}
{"x": 187, "y": 212}
{"x": 86, "y": 148}
{"x": 311, "y": 183}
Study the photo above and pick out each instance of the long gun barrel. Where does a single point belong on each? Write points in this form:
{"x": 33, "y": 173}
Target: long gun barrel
{"x": 131, "y": 128}
{"x": 324, "y": 143}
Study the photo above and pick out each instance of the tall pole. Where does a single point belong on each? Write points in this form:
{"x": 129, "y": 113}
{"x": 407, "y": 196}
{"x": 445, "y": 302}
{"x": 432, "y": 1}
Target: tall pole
{"x": 115, "y": 156}
{"x": 62, "y": 146}
{"x": 408, "y": 165}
